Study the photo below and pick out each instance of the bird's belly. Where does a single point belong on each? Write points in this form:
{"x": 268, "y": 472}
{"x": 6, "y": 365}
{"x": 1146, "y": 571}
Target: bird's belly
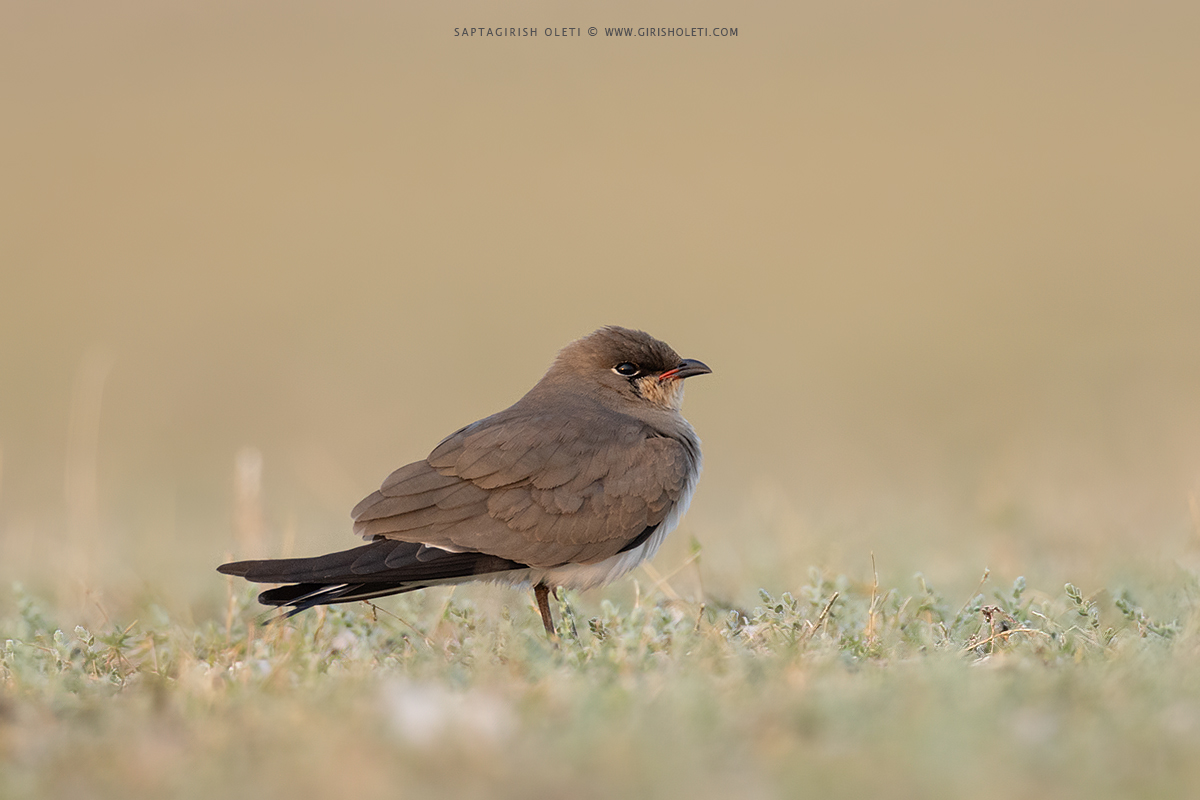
{"x": 586, "y": 576}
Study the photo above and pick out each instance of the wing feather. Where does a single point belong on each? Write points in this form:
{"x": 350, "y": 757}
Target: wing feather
{"x": 534, "y": 489}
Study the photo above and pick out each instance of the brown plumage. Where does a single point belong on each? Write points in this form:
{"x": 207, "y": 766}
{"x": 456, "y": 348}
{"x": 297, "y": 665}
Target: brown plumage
{"x": 573, "y": 485}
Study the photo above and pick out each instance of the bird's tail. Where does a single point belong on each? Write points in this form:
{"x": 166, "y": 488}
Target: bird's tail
{"x": 378, "y": 569}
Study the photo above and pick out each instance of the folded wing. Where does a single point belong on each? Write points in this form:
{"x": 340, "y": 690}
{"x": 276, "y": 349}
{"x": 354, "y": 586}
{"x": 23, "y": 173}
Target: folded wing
{"x": 534, "y": 490}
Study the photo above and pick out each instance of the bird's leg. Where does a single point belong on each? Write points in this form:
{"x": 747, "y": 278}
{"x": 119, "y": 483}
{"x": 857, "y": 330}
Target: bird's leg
{"x": 542, "y": 593}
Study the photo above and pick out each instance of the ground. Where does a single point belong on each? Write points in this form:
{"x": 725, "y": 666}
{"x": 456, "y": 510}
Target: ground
{"x": 845, "y": 689}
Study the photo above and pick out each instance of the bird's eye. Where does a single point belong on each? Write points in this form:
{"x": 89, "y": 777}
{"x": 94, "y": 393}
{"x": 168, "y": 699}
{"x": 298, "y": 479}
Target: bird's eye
{"x": 626, "y": 368}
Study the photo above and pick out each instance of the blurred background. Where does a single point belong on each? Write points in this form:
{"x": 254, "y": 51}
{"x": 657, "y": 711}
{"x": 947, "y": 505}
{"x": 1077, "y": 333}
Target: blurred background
{"x": 943, "y": 258}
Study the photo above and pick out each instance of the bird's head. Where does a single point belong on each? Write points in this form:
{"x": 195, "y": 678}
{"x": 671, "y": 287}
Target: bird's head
{"x": 630, "y": 364}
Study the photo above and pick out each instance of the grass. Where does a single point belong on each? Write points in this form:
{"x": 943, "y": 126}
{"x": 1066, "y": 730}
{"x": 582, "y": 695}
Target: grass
{"x": 841, "y": 688}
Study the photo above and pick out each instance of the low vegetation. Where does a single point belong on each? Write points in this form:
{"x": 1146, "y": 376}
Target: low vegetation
{"x": 840, "y": 688}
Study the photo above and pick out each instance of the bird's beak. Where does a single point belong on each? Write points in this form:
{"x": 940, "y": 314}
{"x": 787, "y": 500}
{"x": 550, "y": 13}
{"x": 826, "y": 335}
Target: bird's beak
{"x": 686, "y": 369}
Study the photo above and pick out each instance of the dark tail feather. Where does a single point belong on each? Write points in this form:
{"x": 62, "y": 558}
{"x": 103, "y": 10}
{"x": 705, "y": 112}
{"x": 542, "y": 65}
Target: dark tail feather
{"x": 378, "y": 569}
{"x": 302, "y": 596}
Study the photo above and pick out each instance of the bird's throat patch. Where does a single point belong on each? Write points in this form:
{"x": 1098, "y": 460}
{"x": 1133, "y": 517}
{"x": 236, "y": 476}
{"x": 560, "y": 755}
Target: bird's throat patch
{"x": 668, "y": 393}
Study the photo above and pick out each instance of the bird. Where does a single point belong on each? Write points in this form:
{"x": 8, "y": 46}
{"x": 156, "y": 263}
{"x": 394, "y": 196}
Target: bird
{"x": 572, "y": 486}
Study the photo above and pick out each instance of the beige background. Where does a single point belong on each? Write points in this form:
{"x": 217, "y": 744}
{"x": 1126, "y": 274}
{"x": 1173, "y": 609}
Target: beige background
{"x": 943, "y": 258}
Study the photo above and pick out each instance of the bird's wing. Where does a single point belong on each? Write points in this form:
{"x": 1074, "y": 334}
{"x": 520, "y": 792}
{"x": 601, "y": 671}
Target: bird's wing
{"x": 541, "y": 490}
